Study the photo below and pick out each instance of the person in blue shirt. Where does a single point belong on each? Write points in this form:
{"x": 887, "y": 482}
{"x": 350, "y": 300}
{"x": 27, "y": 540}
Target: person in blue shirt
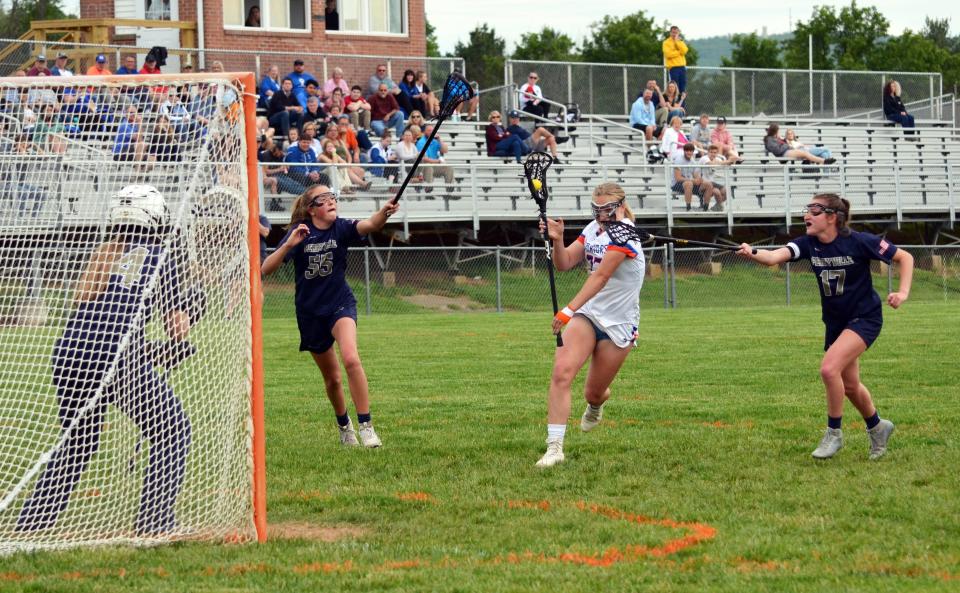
{"x": 307, "y": 172}
{"x": 317, "y": 241}
{"x": 434, "y": 159}
{"x": 104, "y": 358}
{"x": 299, "y": 77}
{"x": 852, "y": 310}
{"x": 129, "y": 66}
{"x": 128, "y": 144}
{"x": 268, "y": 86}
{"x": 643, "y": 115}
{"x": 539, "y": 139}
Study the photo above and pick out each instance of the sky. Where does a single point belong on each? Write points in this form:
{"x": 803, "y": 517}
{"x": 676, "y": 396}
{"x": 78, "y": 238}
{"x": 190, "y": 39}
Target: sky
{"x": 512, "y": 18}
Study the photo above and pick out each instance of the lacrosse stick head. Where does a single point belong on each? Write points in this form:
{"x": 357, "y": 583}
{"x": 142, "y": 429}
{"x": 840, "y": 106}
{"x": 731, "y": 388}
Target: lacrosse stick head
{"x": 456, "y": 90}
{"x": 535, "y": 170}
{"x": 621, "y": 233}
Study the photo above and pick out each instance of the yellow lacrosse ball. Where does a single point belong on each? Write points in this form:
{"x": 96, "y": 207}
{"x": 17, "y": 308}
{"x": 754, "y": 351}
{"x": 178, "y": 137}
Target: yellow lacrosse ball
{"x": 537, "y": 184}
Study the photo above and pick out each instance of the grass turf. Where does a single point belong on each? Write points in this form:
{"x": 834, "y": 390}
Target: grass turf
{"x": 708, "y": 435}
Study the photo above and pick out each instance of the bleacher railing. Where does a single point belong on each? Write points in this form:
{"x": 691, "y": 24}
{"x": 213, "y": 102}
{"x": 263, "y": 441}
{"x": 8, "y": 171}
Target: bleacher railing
{"x": 609, "y": 89}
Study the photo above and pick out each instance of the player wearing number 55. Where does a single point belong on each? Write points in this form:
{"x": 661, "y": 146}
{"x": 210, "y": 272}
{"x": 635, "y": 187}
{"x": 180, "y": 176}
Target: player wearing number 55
{"x": 852, "y": 312}
{"x": 317, "y": 242}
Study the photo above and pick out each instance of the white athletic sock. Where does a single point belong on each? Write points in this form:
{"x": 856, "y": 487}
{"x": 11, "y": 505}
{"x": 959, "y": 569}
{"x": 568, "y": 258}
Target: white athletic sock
{"x": 594, "y": 408}
{"x": 556, "y": 431}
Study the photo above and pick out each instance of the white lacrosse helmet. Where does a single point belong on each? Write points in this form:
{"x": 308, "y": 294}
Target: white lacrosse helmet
{"x": 138, "y": 205}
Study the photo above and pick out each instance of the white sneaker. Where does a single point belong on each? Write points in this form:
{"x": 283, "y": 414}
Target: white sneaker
{"x": 879, "y": 435}
{"x": 591, "y": 419}
{"x": 348, "y": 437}
{"x": 368, "y": 436}
{"x": 831, "y": 442}
{"x": 554, "y": 454}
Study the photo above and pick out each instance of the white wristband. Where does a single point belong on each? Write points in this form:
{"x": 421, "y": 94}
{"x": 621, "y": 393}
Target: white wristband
{"x": 567, "y": 311}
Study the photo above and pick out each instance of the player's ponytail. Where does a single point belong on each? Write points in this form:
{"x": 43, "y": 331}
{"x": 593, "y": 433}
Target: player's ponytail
{"x": 842, "y": 206}
{"x": 299, "y": 211}
{"x": 614, "y": 190}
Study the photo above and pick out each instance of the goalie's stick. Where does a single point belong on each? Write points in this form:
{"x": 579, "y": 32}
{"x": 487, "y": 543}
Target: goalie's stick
{"x": 535, "y": 170}
{"x": 455, "y": 91}
{"x": 620, "y": 233}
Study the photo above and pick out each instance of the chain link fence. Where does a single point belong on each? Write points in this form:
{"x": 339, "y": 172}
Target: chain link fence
{"x": 612, "y": 88}
{"x": 504, "y": 279}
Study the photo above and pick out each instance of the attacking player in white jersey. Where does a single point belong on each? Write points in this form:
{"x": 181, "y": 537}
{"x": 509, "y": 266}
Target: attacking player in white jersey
{"x": 601, "y": 320}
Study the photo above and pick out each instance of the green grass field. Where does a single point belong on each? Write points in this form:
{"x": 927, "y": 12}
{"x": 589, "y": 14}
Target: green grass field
{"x": 699, "y": 479}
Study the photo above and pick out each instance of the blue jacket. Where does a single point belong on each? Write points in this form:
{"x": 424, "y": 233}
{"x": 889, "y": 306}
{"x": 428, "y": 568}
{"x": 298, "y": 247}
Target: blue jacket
{"x": 295, "y": 155}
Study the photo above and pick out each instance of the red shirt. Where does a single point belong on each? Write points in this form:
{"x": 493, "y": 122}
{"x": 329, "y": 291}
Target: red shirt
{"x": 381, "y": 106}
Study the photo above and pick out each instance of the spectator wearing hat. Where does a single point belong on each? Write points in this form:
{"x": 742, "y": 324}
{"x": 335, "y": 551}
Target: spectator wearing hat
{"x": 100, "y": 67}
{"x": 722, "y": 138}
{"x": 150, "y": 65}
{"x": 129, "y": 66}
{"x": 385, "y": 111}
{"x": 299, "y": 77}
{"x": 40, "y": 67}
{"x": 60, "y": 66}
{"x": 539, "y": 139}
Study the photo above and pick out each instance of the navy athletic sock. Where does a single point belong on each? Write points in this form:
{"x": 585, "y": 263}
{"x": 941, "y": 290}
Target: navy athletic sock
{"x": 343, "y": 420}
{"x": 834, "y": 422}
{"x": 361, "y": 418}
{"x": 873, "y": 420}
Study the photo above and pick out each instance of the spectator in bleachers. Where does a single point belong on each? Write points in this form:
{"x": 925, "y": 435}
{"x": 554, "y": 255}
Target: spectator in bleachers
{"x": 675, "y": 58}
{"x": 893, "y": 108}
{"x": 217, "y": 66}
{"x": 349, "y": 177}
{"x": 335, "y": 112}
{"x": 293, "y": 136}
{"x": 435, "y": 157}
{"x": 791, "y": 137}
{"x": 336, "y": 98}
{"x": 539, "y": 139}
{"x": 358, "y": 108}
{"x": 285, "y": 111}
{"x": 278, "y": 174}
{"x": 19, "y": 179}
{"x": 416, "y": 130}
{"x": 673, "y": 139}
{"x": 305, "y": 169}
{"x": 164, "y": 146}
{"x": 48, "y": 133}
{"x": 779, "y": 148}
{"x": 708, "y": 166}
{"x": 348, "y": 146}
{"x": 701, "y": 133}
{"x": 263, "y": 128}
{"x": 385, "y": 111}
{"x": 313, "y": 90}
{"x": 309, "y": 131}
{"x": 687, "y": 177}
{"x": 383, "y": 154}
{"x": 128, "y": 143}
{"x": 253, "y": 17}
{"x": 299, "y": 78}
{"x": 202, "y": 108}
{"x": 269, "y": 85}
{"x": 187, "y": 68}
{"x": 315, "y": 114}
{"x": 150, "y": 65}
{"x": 74, "y": 114}
{"x": 336, "y": 81}
{"x": 175, "y": 110}
{"x": 721, "y": 137}
{"x": 60, "y": 66}
{"x": 530, "y": 97}
{"x": 658, "y": 102}
{"x": 380, "y": 77}
{"x": 643, "y": 115}
{"x": 100, "y": 67}
{"x": 129, "y": 66}
{"x": 39, "y": 67}
{"x": 416, "y": 119}
{"x": 406, "y": 149}
{"x": 500, "y": 142}
{"x": 431, "y": 100}
{"x": 408, "y": 85}
{"x": 675, "y": 101}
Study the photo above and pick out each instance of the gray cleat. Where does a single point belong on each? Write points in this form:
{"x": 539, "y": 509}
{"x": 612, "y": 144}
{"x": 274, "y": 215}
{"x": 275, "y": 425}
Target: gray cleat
{"x": 879, "y": 435}
{"x": 831, "y": 442}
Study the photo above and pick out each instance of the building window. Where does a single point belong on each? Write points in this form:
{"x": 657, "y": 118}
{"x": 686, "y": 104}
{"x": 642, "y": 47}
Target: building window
{"x": 373, "y": 16}
{"x": 156, "y": 10}
{"x": 267, "y": 14}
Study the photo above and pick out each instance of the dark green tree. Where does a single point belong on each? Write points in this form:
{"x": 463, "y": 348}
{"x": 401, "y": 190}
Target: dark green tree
{"x": 548, "y": 45}
{"x": 633, "y": 39}
{"x": 753, "y": 51}
{"x": 484, "y": 55}
{"x": 433, "y": 48}
{"x": 847, "y": 40}
{"x": 15, "y": 19}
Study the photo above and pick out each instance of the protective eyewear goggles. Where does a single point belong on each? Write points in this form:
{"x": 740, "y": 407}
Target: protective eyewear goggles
{"x": 321, "y": 199}
{"x": 605, "y": 211}
{"x": 818, "y": 209}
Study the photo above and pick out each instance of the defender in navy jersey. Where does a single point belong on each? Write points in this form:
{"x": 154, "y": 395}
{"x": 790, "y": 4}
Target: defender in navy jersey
{"x": 126, "y": 281}
{"x": 852, "y": 311}
{"x": 601, "y": 320}
{"x": 317, "y": 243}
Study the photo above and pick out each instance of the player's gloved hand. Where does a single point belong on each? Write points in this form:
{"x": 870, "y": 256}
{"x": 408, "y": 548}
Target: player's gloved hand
{"x": 169, "y": 354}
{"x": 561, "y": 319}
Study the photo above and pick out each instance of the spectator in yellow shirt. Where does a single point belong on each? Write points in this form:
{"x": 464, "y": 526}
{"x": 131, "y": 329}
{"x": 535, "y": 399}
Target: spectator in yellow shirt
{"x": 675, "y": 57}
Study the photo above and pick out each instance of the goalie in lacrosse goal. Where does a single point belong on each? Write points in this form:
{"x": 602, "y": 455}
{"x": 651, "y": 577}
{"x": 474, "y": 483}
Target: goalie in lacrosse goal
{"x": 130, "y": 369}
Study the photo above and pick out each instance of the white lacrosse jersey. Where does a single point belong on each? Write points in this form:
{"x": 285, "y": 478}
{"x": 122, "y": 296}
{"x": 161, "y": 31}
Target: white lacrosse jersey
{"x": 617, "y": 306}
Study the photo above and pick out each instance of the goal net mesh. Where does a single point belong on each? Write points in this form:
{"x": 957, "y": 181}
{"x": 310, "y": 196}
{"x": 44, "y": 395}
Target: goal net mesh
{"x": 125, "y": 324}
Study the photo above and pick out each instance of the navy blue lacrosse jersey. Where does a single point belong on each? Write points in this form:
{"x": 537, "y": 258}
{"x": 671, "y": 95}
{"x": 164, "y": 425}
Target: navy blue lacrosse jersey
{"x": 842, "y": 268}
{"x": 320, "y": 264}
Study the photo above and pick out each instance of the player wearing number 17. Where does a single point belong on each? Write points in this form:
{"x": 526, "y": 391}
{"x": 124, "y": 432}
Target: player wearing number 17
{"x": 317, "y": 242}
{"x": 601, "y": 319}
{"x": 852, "y": 311}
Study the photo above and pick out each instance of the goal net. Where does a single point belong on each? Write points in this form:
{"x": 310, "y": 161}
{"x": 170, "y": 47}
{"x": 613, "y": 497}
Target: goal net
{"x": 128, "y": 365}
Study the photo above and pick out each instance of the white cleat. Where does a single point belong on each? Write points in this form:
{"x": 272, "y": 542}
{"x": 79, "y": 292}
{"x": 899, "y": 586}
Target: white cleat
{"x": 879, "y": 435}
{"x": 368, "y": 436}
{"x": 348, "y": 437}
{"x": 554, "y": 454}
{"x": 831, "y": 442}
{"x": 591, "y": 418}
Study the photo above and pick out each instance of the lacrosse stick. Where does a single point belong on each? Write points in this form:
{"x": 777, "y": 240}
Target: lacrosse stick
{"x": 455, "y": 91}
{"x": 620, "y": 233}
{"x": 535, "y": 170}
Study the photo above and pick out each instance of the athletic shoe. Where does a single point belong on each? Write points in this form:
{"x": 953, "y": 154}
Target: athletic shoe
{"x": 348, "y": 437}
{"x": 554, "y": 454}
{"x": 590, "y": 419}
{"x": 368, "y": 436}
{"x": 879, "y": 435}
{"x": 831, "y": 442}
{"x": 718, "y": 207}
